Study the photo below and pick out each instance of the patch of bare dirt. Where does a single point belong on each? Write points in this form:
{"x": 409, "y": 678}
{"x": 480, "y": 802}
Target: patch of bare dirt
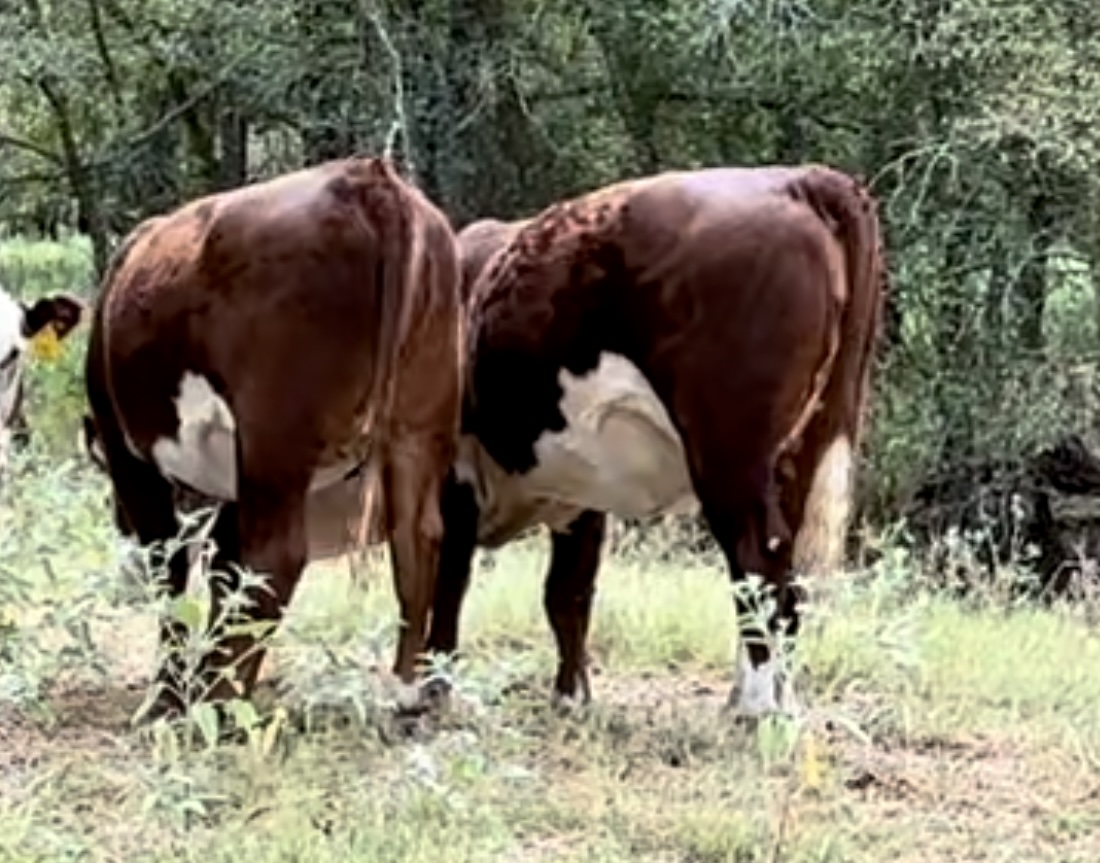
{"x": 964, "y": 796}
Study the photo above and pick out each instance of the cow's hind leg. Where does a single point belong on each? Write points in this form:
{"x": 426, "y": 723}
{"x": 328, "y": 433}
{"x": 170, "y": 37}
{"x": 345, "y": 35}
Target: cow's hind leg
{"x": 746, "y": 521}
{"x": 147, "y": 502}
{"x": 762, "y": 683}
{"x": 271, "y": 532}
{"x": 225, "y": 584}
{"x": 456, "y": 555}
{"x": 415, "y": 471}
{"x": 567, "y": 600}
{"x": 459, "y": 513}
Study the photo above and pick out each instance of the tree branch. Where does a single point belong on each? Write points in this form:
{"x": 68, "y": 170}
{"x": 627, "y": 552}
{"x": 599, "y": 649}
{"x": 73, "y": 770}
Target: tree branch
{"x": 400, "y": 123}
{"x": 18, "y": 143}
{"x": 105, "y": 54}
{"x": 187, "y": 104}
{"x": 689, "y": 98}
{"x": 14, "y": 181}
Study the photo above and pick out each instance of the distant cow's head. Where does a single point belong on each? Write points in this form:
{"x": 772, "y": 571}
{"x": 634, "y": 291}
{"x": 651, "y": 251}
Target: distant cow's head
{"x": 19, "y": 323}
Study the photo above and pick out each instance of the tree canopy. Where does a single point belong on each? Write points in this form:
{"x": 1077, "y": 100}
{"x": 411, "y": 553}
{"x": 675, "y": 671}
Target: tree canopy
{"x": 974, "y": 121}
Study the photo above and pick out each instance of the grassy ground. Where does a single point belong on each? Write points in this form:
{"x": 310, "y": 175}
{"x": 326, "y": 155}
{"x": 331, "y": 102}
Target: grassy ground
{"x": 935, "y": 731}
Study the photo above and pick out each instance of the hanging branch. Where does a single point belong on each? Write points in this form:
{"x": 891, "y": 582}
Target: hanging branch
{"x": 16, "y": 142}
{"x": 400, "y": 123}
{"x": 109, "y": 71}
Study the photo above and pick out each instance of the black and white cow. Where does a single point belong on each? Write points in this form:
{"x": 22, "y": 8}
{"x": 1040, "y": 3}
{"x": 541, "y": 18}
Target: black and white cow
{"x": 19, "y": 323}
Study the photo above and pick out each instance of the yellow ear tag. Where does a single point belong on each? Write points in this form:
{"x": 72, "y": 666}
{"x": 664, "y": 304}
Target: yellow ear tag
{"x": 46, "y": 346}
{"x": 813, "y": 765}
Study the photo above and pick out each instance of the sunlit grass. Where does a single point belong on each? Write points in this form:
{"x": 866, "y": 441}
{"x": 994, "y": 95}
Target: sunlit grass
{"x": 35, "y": 268}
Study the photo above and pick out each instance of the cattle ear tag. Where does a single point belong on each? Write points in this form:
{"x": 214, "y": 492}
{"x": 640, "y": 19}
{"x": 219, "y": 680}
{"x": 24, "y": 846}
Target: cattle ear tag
{"x": 45, "y": 345}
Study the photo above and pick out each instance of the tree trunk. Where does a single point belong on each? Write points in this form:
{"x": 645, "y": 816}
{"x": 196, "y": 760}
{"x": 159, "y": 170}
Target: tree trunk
{"x": 475, "y": 156}
{"x": 1031, "y": 288}
{"x": 502, "y": 139}
{"x": 233, "y": 136}
{"x": 428, "y": 96}
{"x": 955, "y": 349}
{"x": 80, "y": 177}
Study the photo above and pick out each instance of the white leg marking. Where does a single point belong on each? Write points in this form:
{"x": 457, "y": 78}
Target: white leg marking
{"x": 762, "y": 690}
{"x": 407, "y": 695}
{"x": 756, "y": 687}
{"x": 819, "y": 546}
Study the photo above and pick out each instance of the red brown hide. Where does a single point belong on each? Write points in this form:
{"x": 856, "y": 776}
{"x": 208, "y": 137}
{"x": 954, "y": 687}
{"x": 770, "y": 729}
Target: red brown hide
{"x": 264, "y": 342}
{"x": 701, "y": 335}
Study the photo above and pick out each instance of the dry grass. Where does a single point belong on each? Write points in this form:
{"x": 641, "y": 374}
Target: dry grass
{"x": 934, "y": 733}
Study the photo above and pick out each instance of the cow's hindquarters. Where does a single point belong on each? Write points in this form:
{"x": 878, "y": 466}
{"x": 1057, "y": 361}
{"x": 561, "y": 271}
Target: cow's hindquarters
{"x": 817, "y": 473}
{"x": 744, "y": 429}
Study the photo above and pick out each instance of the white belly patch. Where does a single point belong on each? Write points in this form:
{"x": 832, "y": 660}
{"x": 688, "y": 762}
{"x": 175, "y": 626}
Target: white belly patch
{"x": 203, "y": 454}
{"x": 619, "y": 453}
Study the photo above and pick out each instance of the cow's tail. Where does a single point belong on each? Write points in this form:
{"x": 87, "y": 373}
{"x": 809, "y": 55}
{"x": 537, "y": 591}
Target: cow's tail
{"x": 405, "y": 230}
{"x": 832, "y": 438}
{"x": 395, "y": 225}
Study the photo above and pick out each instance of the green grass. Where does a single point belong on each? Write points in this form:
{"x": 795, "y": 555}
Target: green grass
{"x": 934, "y": 730}
{"x": 34, "y": 268}
{"x": 941, "y": 731}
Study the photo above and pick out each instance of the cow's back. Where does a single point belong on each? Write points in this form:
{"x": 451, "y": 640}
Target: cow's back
{"x": 731, "y": 286}
{"x": 282, "y": 303}
{"x": 700, "y": 335}
{"x": 479, "y": 242}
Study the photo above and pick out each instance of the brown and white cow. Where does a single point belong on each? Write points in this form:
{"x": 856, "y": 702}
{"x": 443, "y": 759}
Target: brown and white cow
{"x": 617, "y": 448}
{"x": 689, "y": 339}
{"x": 260, "y": 343}
{"x": 19, "y": 323}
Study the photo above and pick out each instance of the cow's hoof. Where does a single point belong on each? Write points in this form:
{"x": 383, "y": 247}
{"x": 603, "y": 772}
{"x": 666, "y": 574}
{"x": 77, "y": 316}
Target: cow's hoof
{"x": 572, "y": 692}
{"x": 417, "y": 699}
{"x": 436, "y": 694}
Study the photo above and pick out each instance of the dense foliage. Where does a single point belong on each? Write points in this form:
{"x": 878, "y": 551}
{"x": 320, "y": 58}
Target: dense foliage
{"x": 973, "y": 119}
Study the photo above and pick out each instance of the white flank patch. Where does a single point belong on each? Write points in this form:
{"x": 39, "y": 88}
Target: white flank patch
{"x": 11, "y": 323}
{"x": 203, "y": 454}
{"x": 619, "y": 452}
